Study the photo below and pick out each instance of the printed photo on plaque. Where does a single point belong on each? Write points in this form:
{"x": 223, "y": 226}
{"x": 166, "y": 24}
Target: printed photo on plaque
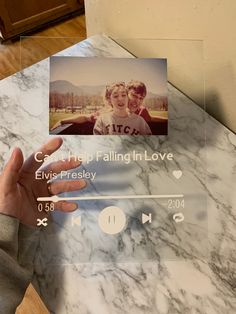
{"x": 108, "y": 96}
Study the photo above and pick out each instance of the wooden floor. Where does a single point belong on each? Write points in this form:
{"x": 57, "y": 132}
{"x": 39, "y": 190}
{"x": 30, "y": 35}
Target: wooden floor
{"x": 29, "y": 50}
{"x": 32, "y": 303}
{"x": 25, "y": 52}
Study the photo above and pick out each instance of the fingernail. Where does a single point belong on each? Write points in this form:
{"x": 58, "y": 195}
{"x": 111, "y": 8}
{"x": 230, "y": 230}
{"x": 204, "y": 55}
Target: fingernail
{"x": 75, "y": 206}
{"x": 75, "y": 163}
{"x": 70, "y": 207}
{"x": 13, "y": 154}
{"x": 83, "y": 183}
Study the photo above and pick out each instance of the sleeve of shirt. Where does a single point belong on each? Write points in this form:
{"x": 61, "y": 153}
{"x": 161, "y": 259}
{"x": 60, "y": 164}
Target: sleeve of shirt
{"x": 17, "y": 250}
{"x": 98, "y": 127}
{"x": 145, "y": 128}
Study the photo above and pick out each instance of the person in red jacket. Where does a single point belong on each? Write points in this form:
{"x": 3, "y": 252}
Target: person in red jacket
{"x": 137, "y": 91}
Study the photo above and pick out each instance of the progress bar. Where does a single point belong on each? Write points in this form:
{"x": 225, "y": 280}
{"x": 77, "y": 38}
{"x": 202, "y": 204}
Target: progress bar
{"x": 56, "y": 198}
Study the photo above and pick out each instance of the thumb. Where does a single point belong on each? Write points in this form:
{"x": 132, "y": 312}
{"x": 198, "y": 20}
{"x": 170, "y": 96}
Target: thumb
{"x": 11, "y": 171}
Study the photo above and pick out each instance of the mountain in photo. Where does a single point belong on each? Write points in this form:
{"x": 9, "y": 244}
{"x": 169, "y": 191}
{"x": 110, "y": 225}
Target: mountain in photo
{"x": 63, "y": 87}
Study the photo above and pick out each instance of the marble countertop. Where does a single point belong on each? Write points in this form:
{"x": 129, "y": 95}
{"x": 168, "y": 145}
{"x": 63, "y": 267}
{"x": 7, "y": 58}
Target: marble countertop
{"x": 162, "y": 267}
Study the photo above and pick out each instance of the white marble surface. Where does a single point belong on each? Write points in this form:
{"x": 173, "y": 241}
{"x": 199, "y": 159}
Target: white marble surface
{"x": 163, "y": 267}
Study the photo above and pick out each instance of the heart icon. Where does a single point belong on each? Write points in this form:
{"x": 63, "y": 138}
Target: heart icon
{"x": 177, "y": 174}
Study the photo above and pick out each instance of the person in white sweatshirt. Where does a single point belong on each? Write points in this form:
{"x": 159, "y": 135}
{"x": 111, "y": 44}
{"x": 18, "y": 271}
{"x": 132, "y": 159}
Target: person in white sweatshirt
{"x": 119, "y": 121}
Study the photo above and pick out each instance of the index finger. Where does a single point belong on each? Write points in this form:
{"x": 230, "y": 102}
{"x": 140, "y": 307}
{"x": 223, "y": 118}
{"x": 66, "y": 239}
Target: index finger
{"x": 31, "y": 164}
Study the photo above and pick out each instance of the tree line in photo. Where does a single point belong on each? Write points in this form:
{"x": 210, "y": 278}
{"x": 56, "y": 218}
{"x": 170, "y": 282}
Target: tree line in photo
{"x": 70, "y": 102}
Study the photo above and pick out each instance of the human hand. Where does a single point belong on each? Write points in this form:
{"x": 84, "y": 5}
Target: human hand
{"x": 19, "y": 189}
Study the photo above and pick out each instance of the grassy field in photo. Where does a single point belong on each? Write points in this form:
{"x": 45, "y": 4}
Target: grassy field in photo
{"x": 54, "y": 117}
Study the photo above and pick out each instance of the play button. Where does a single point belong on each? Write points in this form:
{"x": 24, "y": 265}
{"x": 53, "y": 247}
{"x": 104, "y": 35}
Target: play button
{"x": 112, "y": 220}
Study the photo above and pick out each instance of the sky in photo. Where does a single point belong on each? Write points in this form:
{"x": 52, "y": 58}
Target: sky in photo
{"x": 104, "y": 71}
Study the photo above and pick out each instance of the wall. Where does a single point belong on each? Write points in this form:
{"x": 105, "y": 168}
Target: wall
{"x": 203, "y": 36}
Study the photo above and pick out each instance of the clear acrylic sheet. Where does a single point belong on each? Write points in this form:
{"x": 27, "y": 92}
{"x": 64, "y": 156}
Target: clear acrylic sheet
{"x": 65, "y": 241}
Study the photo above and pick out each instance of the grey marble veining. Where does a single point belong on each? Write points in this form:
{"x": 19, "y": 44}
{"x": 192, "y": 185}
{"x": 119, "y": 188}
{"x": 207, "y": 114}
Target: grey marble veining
{"x": 163, "y": 267}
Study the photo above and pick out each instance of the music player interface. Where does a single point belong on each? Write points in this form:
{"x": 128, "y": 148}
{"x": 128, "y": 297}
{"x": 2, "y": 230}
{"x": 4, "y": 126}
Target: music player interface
{"x": 134, "y": 194}
{"x": 137, "y": 204}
